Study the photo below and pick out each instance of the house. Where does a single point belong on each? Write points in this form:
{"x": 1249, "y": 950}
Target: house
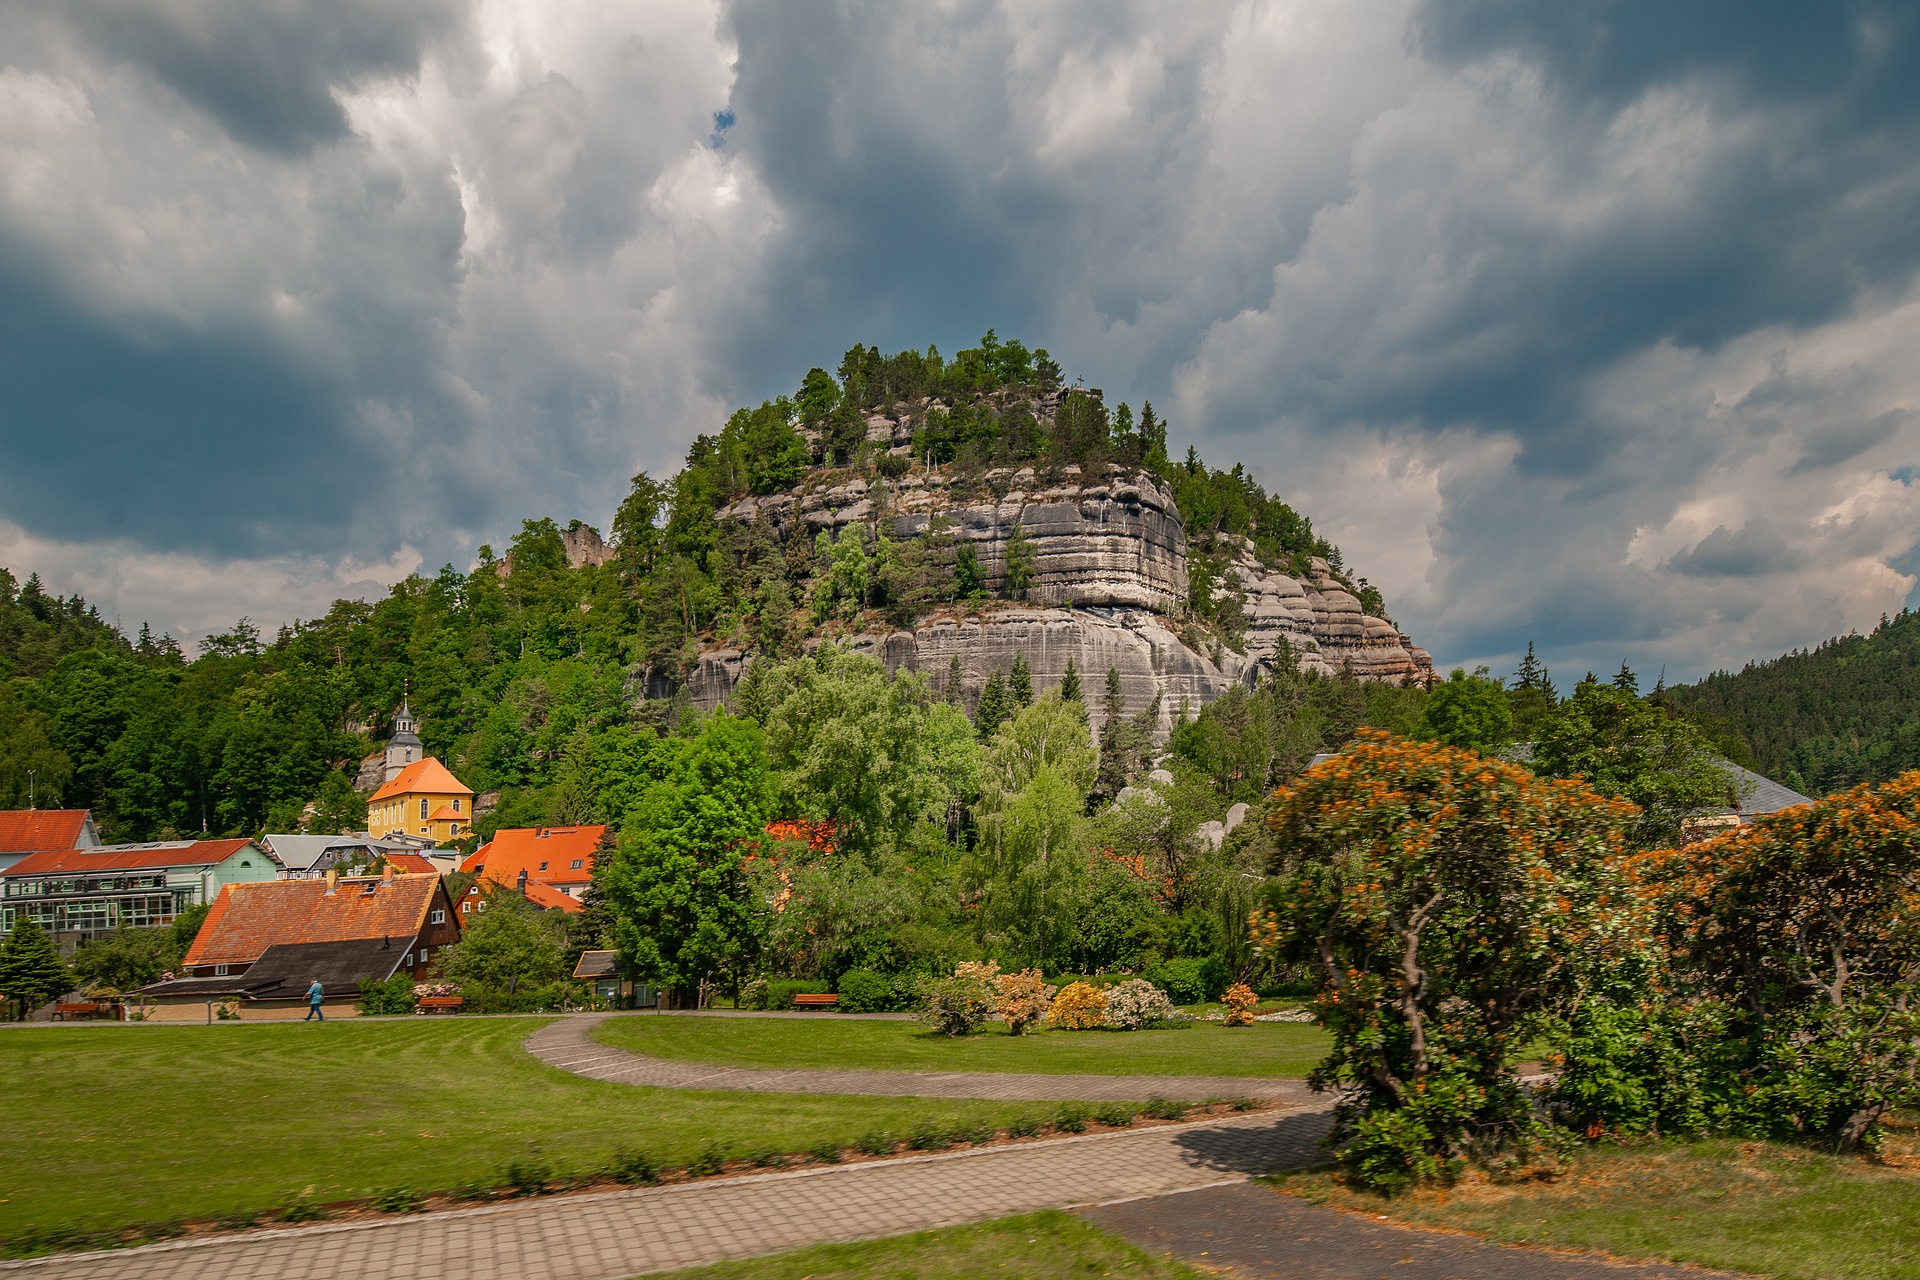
{"x": 612, "y": 983}
{"x": 76, "y": 893}
{"x": 559, "y": 858}
{"x": 547, "y": 898}
{"x": 423, "y": 799}
{"x": 410, "y": 913}
{"x": 25, "y": 831}
{"x": 275, "y": 986}
{"x": 304, "y": 857}
{"x": 1749, "y": 795}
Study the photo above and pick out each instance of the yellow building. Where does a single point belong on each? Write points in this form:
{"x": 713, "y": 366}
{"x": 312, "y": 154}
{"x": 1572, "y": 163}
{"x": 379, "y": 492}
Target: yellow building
{"x": 423, "y": 799}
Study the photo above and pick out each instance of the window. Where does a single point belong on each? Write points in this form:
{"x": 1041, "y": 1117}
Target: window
{"x": 465, "y": 907}
{"x": 438, "y": 917}
{"x": 543, "y": 866}
{"x": 423, "y": 831}
{"x": 408, "y": 962}
{"x": 456, "y": 804}
{"x": 423, "y": 808}
{"x": 219, "y": 971}
{"x": 576, "y": 864}
{"x": 423, "y": 955}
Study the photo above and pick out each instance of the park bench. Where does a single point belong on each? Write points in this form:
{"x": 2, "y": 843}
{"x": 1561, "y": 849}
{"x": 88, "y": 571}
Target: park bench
{"x": 439, "y": 1004}
{"x": 75, "y": 1009}
{"x": 810, "y": 1000}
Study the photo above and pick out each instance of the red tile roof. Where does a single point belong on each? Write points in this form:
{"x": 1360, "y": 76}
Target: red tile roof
{"x": 411, "y": 864}
{"x": 447, "y": 813}
{"x": 29, "y": 830}
{"x": 248, "y": 918}
{"x": 516, "y": 849}
{"x": 427, "y": 775}
{"x": 129, "y": 857}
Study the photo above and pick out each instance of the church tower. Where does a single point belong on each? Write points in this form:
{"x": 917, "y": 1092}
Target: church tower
{"x": 403, "y": 748}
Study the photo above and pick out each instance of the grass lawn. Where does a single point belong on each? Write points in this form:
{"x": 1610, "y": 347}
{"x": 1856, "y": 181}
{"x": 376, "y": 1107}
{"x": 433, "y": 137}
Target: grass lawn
{"x": 115, "y": 1126}
{"x": 1264, "y": 1049}
{"x": 1035, "y": 1246}
{"x": 1744, "y": 1206}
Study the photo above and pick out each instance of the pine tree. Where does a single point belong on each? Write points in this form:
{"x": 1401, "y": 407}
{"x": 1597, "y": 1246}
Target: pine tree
{"x": 31, "y": 971}
{"x": 955, "y": 682}
{"x": 1626, "y": 681}
{"x": 967, "y": 582}
{"x": 1020, "y": 558}
{"x": 1530, "y": 674}
{"x": 996, "y": 706}
{"x": 1020, "y": 682}
{"x": 1070, "y": 683}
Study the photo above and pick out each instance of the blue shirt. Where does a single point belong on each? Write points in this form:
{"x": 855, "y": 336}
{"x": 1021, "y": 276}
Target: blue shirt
{"x": 314, "y": 993}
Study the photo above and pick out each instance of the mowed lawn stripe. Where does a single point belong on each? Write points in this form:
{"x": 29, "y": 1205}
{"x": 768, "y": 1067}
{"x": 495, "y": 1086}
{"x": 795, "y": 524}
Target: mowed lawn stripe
{"x": 105, "y": 1127}
{"x": 1284, "y": 1049}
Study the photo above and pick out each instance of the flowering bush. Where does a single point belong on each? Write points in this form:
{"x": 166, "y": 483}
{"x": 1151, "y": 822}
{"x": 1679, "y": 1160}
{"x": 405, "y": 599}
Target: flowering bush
{"x": 1451, "y": 906}
{"x": 1022, "y": 999}
{"x": 1137, "y": 1003}
{"x": 1241, "y": 1003}
{"x": 1078, "y": 1007}
{"x": 958, "y": 1005}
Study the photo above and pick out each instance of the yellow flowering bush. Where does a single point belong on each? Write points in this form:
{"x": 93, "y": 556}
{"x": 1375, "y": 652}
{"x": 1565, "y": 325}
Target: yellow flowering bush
{"x": 1079, "y": 1007}
{"x": 1241, "y": 1002}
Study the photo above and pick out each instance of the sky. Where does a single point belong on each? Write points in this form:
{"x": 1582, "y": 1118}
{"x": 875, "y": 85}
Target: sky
{"x": 1591, "y": 324}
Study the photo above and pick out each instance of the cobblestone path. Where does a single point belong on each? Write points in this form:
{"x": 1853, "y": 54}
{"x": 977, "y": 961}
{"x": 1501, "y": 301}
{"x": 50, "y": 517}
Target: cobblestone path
{"x": 625, "y": 1233}
{"x": 569, "y": 1045}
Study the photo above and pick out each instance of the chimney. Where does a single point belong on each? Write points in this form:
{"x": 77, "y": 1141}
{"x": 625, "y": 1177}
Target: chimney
{"x": 522, "y": 885}
{"x": 386, "y": 876}
{"x": 333, "y": 880}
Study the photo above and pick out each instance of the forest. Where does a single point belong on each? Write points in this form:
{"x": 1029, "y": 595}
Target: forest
{"x": 1827, "y": 718}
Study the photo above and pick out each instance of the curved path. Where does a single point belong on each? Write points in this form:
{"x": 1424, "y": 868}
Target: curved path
{"x": 569, "y": 1045}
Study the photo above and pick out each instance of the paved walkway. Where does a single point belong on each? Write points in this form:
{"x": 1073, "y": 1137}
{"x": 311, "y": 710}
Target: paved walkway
{"x": 1254, "y": 1233}
{"x": 569, "y": 1045}
{"x": 625, "y": 1233}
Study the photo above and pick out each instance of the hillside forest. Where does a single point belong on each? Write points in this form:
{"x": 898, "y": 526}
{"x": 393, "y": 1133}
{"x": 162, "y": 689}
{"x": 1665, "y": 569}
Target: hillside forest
{"x": 834, "y": 816}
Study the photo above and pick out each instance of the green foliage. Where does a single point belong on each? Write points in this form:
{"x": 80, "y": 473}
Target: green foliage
{"x": 677, "y": 887}
{"x": 864, "y": 991}
{"x": 31, "y": 971}
{"x": 955, "y": 1006}
{"x": 996, "y": 705}
{"x": 127, "y": 958}
{"x": 1020, "y": 564}
{"x": 509, "y": 939}
{"x": 1469, "y": 711}
{"x": 392, "y": 996}
{"x": 1070, "y": 682}
{"x": 1191, "y": 979}
{"x": 1634, "y": 749}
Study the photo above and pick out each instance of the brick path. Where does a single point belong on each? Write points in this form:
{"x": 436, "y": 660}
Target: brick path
{"x": 624, "y": 1233}
{"x": 569, "y": 1045}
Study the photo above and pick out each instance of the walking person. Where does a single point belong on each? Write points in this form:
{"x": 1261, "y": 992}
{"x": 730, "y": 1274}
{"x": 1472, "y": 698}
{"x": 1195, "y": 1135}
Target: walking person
{"x": 314, "y": 996}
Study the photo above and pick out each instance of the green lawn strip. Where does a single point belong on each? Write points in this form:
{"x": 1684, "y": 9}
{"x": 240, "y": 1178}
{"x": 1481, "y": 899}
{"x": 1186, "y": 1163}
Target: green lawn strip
{"x": 114, "y": 1127}
{"x": 1264, "y": 1049}
{"x": 1034, "y": 1246}
{"x": 1774, "y": 1210}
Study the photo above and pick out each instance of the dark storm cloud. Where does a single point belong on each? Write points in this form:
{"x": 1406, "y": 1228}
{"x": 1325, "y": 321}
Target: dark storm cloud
{"x": 267, "y": 72}
{"x": 1747, "y": 552}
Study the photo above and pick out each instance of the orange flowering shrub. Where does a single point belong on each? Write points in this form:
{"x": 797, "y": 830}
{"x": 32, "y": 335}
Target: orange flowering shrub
{"x": 1022, "y": 999}
{"x": 1078, "y": 1007}
{"x": 1450, "y": 904}
{"x": 1241, "y": 1002}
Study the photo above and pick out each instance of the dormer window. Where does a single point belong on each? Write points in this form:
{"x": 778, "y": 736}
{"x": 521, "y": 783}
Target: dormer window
{"x": 543, "y": 866}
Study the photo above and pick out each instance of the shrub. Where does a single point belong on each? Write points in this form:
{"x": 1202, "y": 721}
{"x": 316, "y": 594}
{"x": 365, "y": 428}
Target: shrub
{"x": 769, "y": 1158}
{"x": 1078, "y": 1007}
{"x": 864, "y": 991}
{"x": 469, "y": 1191}
{"x": 1021, "y": 999}
{"x": 527, "y": 1177}
{"x": 1190, "y": 979}
{"x": 976, "y": 1134}
{"x": 398, "y": 1200}
{"x": 523, "y": 999}
{"x": 1117, "y": 1115}
{"x": 1071, "y": 1118}
{"x": 930, "y": 1135}
{"x": 1241, "y": 1004}
{"x": 395, "y": 995}
{"x": 1025, "y": 1126}
{"x": 634, "y": 1168}
{"x": 1165, "y": 1109}
{"x": 826, "y": 1152}
{"x": 877, "y": 1143}
{"x": 958, "y": 1005}
{"x": 1453, "y": 905}
{"x": 710, "y": 1161}
{"x": 1137, "y": 1003}
{"x": 304, "y": 1211}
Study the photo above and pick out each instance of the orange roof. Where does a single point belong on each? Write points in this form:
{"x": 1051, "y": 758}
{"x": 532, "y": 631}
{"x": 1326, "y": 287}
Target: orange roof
{"x": 129, "y": 857}
{"x": 29, "y": 830}
{"x": 447, "y": 813}
{"x": 246, "y": 919}
{"x": 543, "y": 896}
{"x": 429, "y": 776}
{"x": 411, "y": 864}
{"x": 544, "y": 853}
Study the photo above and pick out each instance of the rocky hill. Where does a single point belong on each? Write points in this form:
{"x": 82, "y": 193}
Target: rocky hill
{"x": 1107, "y": 579}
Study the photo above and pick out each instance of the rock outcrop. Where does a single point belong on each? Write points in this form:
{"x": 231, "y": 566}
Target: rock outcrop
{"x": 1109, "y": 586}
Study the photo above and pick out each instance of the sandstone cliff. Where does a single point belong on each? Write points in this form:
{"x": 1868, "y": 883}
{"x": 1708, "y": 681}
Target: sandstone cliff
{"x": 1109, "y": 589}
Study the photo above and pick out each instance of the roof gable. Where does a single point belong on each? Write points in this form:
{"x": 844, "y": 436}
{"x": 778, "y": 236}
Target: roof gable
{"x": 248, "y": 918}
{"x": 31, "y": 830}
{"x": 516, "y": 849}
{"x": 428, "y": 776}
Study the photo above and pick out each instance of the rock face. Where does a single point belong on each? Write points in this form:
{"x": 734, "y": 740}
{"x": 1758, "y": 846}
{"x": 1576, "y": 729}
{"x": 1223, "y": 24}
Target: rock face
{"x": 1110, "y": 582}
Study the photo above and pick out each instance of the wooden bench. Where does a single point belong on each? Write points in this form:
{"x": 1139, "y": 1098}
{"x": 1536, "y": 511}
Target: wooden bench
{"x": 75, "y": 1009}
{"x": 439, "y": 1004}
{"x": 810, "y": 1000}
